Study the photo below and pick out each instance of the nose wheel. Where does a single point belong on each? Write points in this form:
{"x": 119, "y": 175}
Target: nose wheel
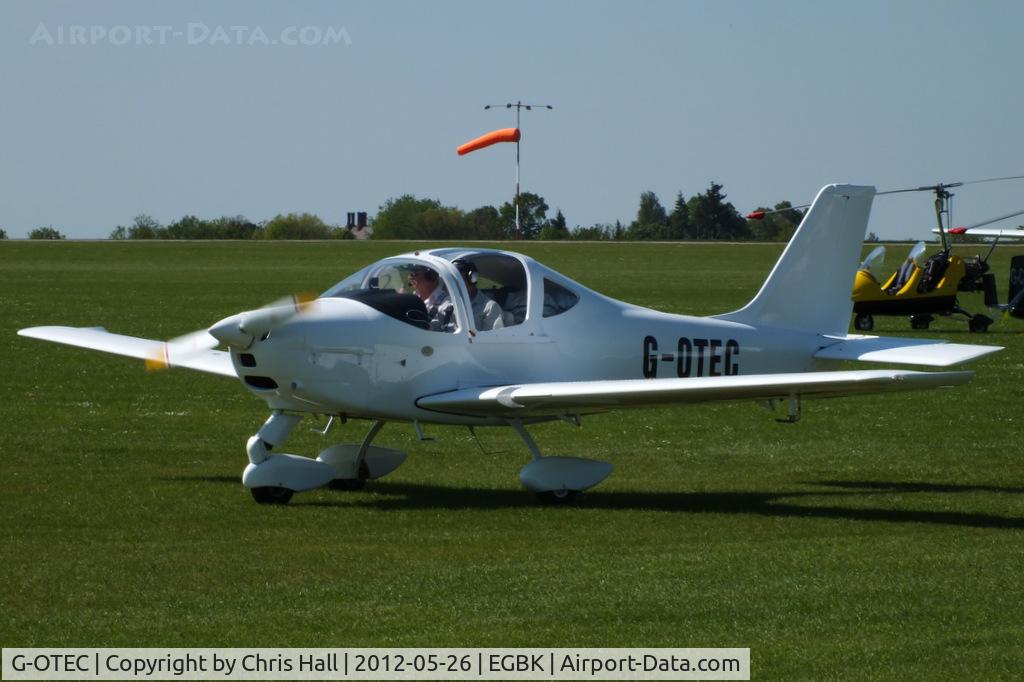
{"x": 272, "y": 495}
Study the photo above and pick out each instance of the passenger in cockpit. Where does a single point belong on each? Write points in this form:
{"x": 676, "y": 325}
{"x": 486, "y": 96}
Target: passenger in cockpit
{"x": 486, "y": 311}
{"x": 434, "y": 295}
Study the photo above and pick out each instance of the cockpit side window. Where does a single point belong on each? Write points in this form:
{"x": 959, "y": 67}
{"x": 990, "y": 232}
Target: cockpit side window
{"x": 408, "y": 291}
{"x": 557, "y": 299}
{"x": 500, "y": 279}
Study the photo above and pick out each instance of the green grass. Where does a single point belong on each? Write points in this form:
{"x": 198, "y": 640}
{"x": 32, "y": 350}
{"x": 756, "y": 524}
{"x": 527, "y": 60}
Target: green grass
{"x": 881, "y": 537}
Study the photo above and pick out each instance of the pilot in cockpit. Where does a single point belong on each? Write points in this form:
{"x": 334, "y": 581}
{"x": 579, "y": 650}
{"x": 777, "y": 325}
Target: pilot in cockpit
{"x": 434, "y": 295}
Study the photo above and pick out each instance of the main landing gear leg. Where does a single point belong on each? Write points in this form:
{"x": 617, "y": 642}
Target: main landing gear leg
{"x": 354, "y": 464}
{"x": 792, "y": 410}
{"x": 359, "y": 464}
{"x": 557, "y": 480}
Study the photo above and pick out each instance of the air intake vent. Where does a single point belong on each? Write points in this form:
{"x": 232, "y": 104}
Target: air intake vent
{"x": 261, "y": 383}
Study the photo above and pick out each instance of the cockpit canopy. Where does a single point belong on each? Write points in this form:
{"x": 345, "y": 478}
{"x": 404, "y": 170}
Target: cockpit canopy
{"x": 433, "y": 290}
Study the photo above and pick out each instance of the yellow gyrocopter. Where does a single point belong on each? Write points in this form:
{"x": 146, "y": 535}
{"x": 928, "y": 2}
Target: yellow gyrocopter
{"x": 923, "y": 287}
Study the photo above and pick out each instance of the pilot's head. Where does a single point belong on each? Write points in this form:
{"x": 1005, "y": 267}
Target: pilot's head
{"x": 423, "y": 280}
{"x": 467, "y": 269}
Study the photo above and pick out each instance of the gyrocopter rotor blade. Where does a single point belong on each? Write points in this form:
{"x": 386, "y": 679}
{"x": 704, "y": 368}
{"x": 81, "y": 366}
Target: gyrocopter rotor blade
{"x": 978, "y": 182}
{"x": 944, "y": 201}
{"x": 983, "y": 223}
{"x": 948, "y": 185}
{"x": 943, "y": 205}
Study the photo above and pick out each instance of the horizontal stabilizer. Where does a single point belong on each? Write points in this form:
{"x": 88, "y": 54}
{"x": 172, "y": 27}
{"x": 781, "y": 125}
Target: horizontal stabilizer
{"x": 551, "y": 399}
{"x": 927, "y": 352}
{"x": 98, "y": 338}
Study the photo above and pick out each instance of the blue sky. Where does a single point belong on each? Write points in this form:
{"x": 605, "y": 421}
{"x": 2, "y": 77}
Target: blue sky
{"x": 771, "y": 99}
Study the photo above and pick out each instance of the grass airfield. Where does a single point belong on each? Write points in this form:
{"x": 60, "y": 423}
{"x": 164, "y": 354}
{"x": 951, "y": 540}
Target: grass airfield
{"x": 880, "y": 537}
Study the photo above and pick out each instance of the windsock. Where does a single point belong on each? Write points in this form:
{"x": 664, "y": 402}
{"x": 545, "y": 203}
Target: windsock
{"x": 493, "y": 137}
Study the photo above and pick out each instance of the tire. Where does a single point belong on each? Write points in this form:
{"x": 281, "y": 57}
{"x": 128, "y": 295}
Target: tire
{"x": 864, "y": 322}
{"x": 920, "y": 321}
{"x": 558, "y": 497}
{"x": 979, "y": 324}
{"x": 272, "y": 495}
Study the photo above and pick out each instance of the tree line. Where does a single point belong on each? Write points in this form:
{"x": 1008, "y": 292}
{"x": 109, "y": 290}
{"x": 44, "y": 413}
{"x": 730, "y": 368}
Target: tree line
{"x": 704, "y": 216}
{"x": 289, "y": 226}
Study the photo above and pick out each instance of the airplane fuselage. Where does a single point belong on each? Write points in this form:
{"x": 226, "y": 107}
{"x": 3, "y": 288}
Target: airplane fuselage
{"x": 346, "y": 358}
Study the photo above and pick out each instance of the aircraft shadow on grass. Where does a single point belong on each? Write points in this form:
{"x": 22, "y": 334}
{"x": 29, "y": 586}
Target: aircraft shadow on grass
{"x": 405, "y": 496}
{"x": 390, "y": 496}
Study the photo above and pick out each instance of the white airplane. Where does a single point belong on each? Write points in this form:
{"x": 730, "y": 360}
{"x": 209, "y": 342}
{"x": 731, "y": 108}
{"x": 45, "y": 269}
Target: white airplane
{"x": 368, "y": 349}
{"x": 978, "y": 229}
{"x": 1015, "y": 233}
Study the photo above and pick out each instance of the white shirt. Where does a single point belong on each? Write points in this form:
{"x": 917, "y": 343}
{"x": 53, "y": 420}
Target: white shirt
{"x": 486, "y": 312}
{"x": 440, "y": 309}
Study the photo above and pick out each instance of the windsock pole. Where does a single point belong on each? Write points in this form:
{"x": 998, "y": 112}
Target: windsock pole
{"x": 519, "y": 107}
{"x": 517, "y": 171}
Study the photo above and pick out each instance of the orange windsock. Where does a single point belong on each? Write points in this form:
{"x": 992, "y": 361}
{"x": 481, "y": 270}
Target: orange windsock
{"x": 493, "y": 137}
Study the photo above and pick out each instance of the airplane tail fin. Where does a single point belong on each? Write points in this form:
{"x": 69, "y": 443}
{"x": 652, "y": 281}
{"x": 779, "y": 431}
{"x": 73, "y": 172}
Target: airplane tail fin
{"x": 809, "y": 288}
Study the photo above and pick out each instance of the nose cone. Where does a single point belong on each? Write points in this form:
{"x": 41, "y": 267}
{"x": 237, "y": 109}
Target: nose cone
{"x": 229, "y": 331}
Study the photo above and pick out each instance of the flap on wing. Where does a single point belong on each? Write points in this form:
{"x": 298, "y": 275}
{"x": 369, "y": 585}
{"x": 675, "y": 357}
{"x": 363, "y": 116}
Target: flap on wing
{"x": 98, "y": 338}
{"x": 582, "y": 396}
{"x": 902, "y": 351}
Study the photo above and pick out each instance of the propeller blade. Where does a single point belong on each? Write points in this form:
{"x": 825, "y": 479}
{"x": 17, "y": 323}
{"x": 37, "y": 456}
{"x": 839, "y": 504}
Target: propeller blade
{"x": 182, "y": 347}
{"x": 262, "y": 320}
{"x": 242, "y": 329}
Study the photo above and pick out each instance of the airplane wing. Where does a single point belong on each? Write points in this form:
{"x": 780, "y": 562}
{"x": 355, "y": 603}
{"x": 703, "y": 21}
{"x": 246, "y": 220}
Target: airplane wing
{"x": 902, "y": 351}
{"x": 1013, "y": 233}
{"x": 560, "y": 398}
{"x": 98, "y": 338}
